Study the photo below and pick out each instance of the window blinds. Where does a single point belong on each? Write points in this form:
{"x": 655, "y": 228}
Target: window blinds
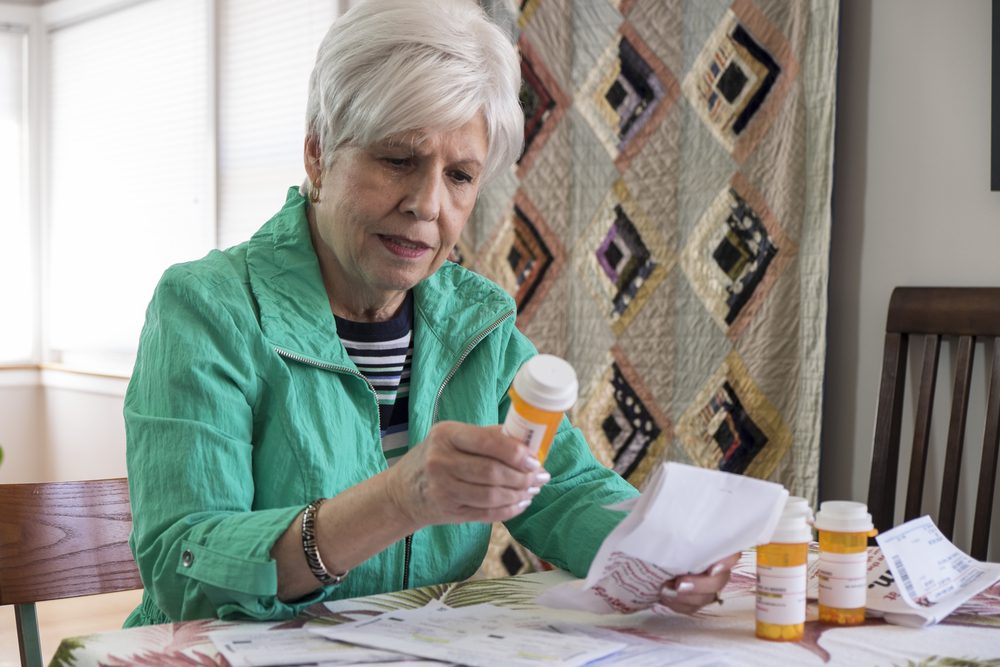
{"x": 174, "y": 126}
{"x": 266, "y": 53}
{"x": 129, "y": 189}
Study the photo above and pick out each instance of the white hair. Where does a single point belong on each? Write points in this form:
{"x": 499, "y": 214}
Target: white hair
{"x": 391, "y": 66}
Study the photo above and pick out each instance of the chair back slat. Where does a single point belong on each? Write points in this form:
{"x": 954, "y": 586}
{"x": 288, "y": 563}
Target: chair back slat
{"x": 970, "y": 315}
{"x": 988, "y": 465}
{"x": 65, "y": 539}
{"x": 922, "y": 425}
{"x": 956, "y": 435}
{"x": 882, "y": 485}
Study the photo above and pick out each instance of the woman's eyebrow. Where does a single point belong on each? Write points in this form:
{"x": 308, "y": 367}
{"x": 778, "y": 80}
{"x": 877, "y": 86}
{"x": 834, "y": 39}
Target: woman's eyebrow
{"x": 410, "y": 141}
{"x": 469, "y": 161}
{"x": 413, "y": 144}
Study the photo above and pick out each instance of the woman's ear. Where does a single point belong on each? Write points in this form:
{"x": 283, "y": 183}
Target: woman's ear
{"x": 313, "y": 158}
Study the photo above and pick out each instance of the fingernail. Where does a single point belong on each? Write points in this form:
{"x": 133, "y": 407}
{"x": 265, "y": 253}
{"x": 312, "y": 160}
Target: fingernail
{"x": 542, "y": 477}
{"x": 669, "y": 592}
{"x": 685, "y": 587}
{"x": 531, "y": 463}
{"x": 534, "y": 490}
{"x": 717, "y": 569}
{"x": 524, "y": 503}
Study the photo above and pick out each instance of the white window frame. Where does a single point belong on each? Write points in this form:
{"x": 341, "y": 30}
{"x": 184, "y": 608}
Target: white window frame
{"x": 28, "y": 19}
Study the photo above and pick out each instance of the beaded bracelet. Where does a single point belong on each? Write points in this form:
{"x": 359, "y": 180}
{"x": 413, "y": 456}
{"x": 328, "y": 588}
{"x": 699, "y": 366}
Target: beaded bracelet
{"x": 311, "y": 549}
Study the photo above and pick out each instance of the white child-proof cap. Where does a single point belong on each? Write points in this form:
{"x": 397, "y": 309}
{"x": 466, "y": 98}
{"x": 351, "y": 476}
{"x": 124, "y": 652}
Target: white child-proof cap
{"x": 547, "y": 382}
{"x": 798, "y": 504}
{"x": 843, "y": 516}
{"x": 793, "y": 526}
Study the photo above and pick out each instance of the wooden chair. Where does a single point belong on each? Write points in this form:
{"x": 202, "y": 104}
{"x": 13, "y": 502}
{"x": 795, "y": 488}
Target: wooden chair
{"x": 61, "y": 540}
{"x": 963, "y": 314}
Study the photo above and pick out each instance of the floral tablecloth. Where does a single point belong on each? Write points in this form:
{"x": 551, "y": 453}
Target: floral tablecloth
{"x": 970, "y": 636}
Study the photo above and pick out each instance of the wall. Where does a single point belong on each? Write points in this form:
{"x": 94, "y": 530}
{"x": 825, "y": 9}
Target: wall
{"x": 84, "y": 426}
{"x": 57, "y": 425}
{"x": 21, "y": 427}
{"x": 911, "y": 201}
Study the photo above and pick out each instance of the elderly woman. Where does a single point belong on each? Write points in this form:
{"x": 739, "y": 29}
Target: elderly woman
{"x": 313, "y": 413}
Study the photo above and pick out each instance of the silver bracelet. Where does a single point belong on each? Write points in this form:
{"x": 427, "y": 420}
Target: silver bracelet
{"x": 311, "y": 549}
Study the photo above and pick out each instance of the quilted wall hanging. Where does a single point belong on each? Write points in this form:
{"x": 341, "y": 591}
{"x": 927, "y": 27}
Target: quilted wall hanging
{"x": 666, "y": 229}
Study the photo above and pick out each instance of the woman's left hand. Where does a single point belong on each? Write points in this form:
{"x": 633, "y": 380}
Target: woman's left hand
{"x": 688, "y": 593}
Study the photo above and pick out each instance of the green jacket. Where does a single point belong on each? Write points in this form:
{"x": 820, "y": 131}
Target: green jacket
{"x": 244, "y": 407}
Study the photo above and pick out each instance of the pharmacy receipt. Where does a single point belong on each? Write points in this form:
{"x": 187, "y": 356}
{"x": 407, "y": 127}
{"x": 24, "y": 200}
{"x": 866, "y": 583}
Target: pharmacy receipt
{"x": 928, "y": 576}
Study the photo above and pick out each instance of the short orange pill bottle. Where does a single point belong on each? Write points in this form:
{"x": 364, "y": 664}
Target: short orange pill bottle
{"x": 844, "y": 528}
{"x": 544, "y": 388}
{"x": 781, "y": 576}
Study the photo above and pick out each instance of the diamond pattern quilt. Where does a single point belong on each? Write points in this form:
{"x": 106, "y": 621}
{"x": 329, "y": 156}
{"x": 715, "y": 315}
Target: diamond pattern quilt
{"x": 666, "y": 229}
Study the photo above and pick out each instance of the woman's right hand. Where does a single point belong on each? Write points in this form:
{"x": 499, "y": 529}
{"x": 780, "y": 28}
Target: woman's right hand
{"x": 461, "y": 473}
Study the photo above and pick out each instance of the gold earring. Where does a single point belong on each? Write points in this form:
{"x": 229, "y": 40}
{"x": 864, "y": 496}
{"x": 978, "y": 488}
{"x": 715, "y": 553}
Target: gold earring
{"x": 314, "y": 193}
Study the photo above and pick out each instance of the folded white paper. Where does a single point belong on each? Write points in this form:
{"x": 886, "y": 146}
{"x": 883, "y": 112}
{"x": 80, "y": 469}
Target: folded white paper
{"x": 686, "y": 520}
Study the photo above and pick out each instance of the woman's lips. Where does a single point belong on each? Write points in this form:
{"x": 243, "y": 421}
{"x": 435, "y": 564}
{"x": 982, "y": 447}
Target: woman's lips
{"x": 402, "y": 247}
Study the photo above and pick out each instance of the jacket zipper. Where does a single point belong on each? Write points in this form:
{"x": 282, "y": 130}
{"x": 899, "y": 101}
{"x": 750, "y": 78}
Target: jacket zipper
{"x": 465, "y": 353}
{"x": 378, "y": 413}
{"x": 408, "y": 547}
{"x": 407, "y": 554}
{"x": 340, "y": 369}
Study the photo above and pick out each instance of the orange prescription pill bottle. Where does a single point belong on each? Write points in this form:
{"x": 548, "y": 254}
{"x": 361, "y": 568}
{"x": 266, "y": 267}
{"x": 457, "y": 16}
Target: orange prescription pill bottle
{"x": 544, "y": 388}
{"x": 782, "y": 575}
{"x": 844, "y": 528}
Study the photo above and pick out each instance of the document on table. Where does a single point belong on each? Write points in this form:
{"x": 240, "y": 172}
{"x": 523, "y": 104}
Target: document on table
{"x": 641, "y": 652}
{"x": 488, "y": 636}
{"x": 920, "y": 577}
{"x": 686, "y": 520}
{"x": 479, "y": 636}
{"x": 252, "y": 647}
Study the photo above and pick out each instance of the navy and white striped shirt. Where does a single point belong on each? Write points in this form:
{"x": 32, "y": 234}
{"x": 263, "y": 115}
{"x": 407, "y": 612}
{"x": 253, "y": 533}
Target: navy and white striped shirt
{"x": 383, "y": 352}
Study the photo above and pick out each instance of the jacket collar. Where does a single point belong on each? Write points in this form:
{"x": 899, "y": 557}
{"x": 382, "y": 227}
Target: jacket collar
{"x": 453, "y": 305}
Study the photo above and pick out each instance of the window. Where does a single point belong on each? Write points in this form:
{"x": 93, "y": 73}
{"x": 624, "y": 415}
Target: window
{"x": 159, "y": 129}
{"x": 151, "y": 164}
{"x": 129, "y": 188}
{"x": 17, "y": 286}
{"x": 262, "y": 105}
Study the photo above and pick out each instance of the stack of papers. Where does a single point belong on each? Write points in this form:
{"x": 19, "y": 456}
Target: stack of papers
{"x": 480, "y": 636}
{"x": 251, "y": 647}
{"x": 920, "y": 577}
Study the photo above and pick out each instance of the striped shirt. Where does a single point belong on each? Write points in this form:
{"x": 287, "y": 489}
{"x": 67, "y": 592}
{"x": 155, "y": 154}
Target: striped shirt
{"x": 383, "y": 352}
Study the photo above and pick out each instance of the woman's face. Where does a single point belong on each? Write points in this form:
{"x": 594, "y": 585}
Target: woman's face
{"x": 390, "y": 214}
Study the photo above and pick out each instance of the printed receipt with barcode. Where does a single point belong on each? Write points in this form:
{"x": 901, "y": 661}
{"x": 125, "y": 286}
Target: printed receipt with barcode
{"x": 931, "y": 575}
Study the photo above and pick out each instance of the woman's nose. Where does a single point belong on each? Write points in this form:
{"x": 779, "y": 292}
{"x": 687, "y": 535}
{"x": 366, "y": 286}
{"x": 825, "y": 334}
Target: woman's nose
{"x": 423, "y": 200}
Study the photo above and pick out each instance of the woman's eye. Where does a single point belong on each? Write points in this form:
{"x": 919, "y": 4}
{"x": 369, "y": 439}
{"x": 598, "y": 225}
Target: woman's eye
{"x": 396, "y": 161}
{"x": 461, "y": 177}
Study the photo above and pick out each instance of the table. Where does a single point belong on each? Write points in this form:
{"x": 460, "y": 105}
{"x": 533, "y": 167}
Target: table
{"x": 971, "y": 634}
